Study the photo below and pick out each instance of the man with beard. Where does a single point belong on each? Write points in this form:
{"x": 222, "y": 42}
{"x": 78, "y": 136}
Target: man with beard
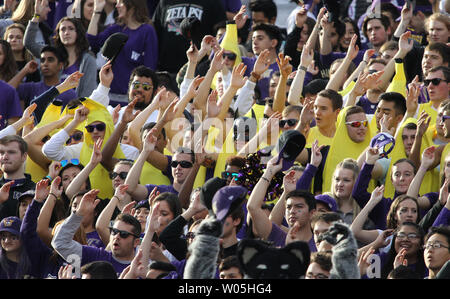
{"x": 13, "y": 154}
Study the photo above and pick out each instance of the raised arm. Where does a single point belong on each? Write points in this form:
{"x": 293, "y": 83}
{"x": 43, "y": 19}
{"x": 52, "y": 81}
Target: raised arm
{"x": 285, "y": 67}
{"x": 32, "y": 29}
{"x": 295, "y": 91}
{"x": 93, "y": 24}
{"x": 137, "y": 191}
{"x": 108, "y": 161}
{"x": 262, "y": 226}
{"x": 77, "y": 182}
{"x": 103, "y": 220}
{"x": 63, "y": 241}
{"x": 50, "y": 197}
{"x": 367, "y": 236}
{"x": 277, "y": 214}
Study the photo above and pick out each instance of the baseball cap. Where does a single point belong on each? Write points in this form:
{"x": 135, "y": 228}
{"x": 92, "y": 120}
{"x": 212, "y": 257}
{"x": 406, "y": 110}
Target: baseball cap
{"x": 382, "y": 141}
{"x": 11, "y": 224}
{"x": 209, "y": 189}
{"x": 113, "y": 45}
{"x": 191, "y": 29}
{"x": 142, "y": 204}
{"x": 290, "y": 145}
{"x": 29, "y": 193}
{"x": 227, "y": 199}
{"x": 327, "y": 200}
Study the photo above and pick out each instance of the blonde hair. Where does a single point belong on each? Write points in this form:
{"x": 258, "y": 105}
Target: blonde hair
{"x": 437, "y": 17}
{"x": 352, "y": 165}
{"x": 27, "y": 56}
{"x": 24, "y": 12}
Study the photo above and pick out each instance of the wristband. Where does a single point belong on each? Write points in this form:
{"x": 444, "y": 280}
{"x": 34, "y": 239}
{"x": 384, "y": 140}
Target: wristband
{"x": 266, "y": 179}
{"x": 255, "y": 75}
{"x": 36, "y": 16}
{"x": 302, "y": 68}
{"x": 97, "y": 12}
{"x": 53, "y": 195}
{"x": 398, "y": 60}
{"x": 116, "y": 197}
{"x": 49, "y": 177}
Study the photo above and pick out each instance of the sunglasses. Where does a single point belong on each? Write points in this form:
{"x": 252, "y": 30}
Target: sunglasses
{"x": 145, "y": 86}
{"x": 290, "y": 122}
{"x": 230, "y": 56}
{"x": 357, "y": 124}
{"x": 122, "y": 175}
{"x": 71, "y": 161}
{"x": 75, "y": 137}
{"x": 123, "y": 234}
{"x": 100, "y": 127}
{"x": 227, "y": 174}
{"x": 183, "y": 164}
{"x": 435, "y": 81}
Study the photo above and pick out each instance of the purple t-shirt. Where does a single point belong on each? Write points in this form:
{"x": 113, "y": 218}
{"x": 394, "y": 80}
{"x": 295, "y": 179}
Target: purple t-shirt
{"x": 141, "y": 48}
{"x": 231, "y": 5}
{"x": 29, "y": 90}
{"x": 62, "y": 8}
{"x": 9, "y": 104}
{"x": 161, "y": 188}
{"x": 92, "y": 254}
{"x": 93, "y": 239}
{"x": 70, "y": 70}
{"x": 278, "y": 237}
{"x": 263, "y": 83}
{"x": 368, "y": 106}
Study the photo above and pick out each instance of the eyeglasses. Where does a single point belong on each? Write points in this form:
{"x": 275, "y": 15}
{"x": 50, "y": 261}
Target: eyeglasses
{"x": 71, "y": 161}
{"x": 190, "y": 235}
{"x": 75, "y": 137}
{"x": 145, "y": 86}
{"x": 290, "y": 122}
{"x": 123, "y": 234}
{"x": 227, "y": 174}
{"x": 435, "y": 81}
{"x": 403, "y": 236}
{"x": 230, "y": 56}
{"x": 183, "y": 164}
{"x": 122, "y": 175}
{"x": 100, "y": 127}
{"x": 357, "y": 124}
{"x": 435, "y": 245}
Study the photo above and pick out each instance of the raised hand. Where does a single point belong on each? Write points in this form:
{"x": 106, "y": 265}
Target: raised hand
{"x": 41, "y": 190}
{"x": 99, "y": 5}
{"x": 217, "y": 62}
{"x": 72, "y": 80}
{"x": 150, "y": 141}
{"x": 372, "y": 155}
{"x": 412, "y": 95}
{"x": 241, "y": 17}
{"x": 377, "y": 195}
{"x": 96, "y": 156}
{"x": 54, "y": 168}
{"x": 237, "y": 76}
{"x": 273, "y": 167}
{"x": 56, "y": 188}
{"x": 129, "y": 114}
{"x": 262, "y": 63}
{"x": 368, "y": 54}
{"x": 385, "y": 122}
{"x": 301, "y": 16}
{"x": 193, "y": 87}
{"x": 4, "y": 191}
{"x": 27, "y": 116}
{"x": 88, "y": 203}
{"x": 289, "y": 182}
{"x": 40, "y": 6}
{"x": 316, "y": 154}
{"x": 129, "y": 208}
{"x": 400, "y": 258}
{"x": 404, "y": 44}
{"x": 443, "y": 192}
{"x": 364, "y": 260}
{"x": 284, "y": 65}
{"x": 171, "y": 111}
{"x": 152, "y": 196}
{"x": 66, "y": 272}
{"x": 382, "y": 239}
{"x": 115, "y": 114}
{"x": 353, "y": 48}
{"x": 31, "y": 66}
{"x": 307, "y": 56}
{"x": 121, "y": 192}
{"x": 192, "y": 53}
{"x": 106, "y": 74}
{"x": 81, "y": 114}
{"x": 212, "y": 106}
{"x": 154, "y": 223}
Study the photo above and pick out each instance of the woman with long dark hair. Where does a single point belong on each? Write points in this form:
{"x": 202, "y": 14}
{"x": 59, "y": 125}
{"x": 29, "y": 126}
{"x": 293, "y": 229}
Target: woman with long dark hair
{"x": 70, "y": 35}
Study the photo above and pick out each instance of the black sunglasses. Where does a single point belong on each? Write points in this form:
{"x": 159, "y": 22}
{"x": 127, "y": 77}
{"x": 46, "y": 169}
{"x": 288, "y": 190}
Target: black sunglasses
{"x": 122, "y": 175}
{"x": 290, "y": 122}
{"x": 123, "y": 234}
{"x": 183, "y": 164}
{"x": 435, "y": 81}
{"x": 100, "y": 127}
{"x": 230, "y": 56}
{"x": 75, "y": 137}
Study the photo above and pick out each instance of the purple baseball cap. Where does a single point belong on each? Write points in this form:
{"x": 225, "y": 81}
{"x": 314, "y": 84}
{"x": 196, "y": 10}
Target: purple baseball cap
{"x": 382, "y": 141}
{"x": 11, "y": 224}
{"x": 290, "y": 145}
{"x": 328, "y": 201}
{"x": 227, "y": 199}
